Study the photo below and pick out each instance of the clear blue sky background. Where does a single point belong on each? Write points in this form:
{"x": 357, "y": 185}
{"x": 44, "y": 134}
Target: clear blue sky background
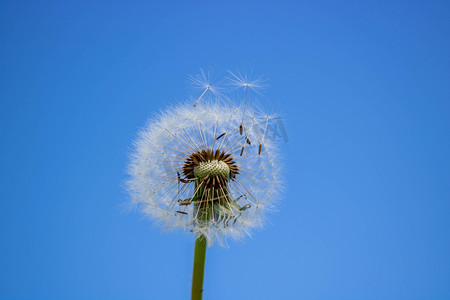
{"x": 363, "y": 89}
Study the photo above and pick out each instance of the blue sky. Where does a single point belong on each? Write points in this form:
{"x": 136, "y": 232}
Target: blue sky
{"x": 363, "y": 90}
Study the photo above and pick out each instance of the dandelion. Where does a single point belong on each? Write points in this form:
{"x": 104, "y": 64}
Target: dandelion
{"x": 207, "y": 169}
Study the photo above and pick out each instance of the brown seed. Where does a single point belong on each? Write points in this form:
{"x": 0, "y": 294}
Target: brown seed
{"x": 220, "y": 136}
{"x": 241, "y": 129}
{"x": 181, "y": 212}
{"x": 259, "y": 150}
{"x": 182, "y": 179}
{"x": 242, "y": 151}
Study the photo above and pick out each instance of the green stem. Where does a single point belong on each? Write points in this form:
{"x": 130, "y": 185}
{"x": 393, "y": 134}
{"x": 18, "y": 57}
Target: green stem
{"x": 199, "y": 268}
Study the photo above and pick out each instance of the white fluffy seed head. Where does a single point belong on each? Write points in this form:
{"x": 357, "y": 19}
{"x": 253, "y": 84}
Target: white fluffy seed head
{"x": 157, "y": 181}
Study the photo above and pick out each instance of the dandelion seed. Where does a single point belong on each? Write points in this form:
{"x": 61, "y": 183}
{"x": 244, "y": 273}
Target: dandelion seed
{"x": 239, "y": 80}
{"x": 202, "y": 81}
{"x": 220, "y": 136}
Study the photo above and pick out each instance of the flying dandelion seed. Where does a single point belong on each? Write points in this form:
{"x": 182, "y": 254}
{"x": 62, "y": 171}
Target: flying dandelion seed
{"x": 203, "y": 82}
{"x": 239, "y": 80}
{"x": 243, "y": 81}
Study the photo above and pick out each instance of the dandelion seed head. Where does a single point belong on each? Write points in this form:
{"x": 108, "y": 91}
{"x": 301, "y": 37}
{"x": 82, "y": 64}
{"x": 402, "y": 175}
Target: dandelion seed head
{"x": 207, "y": 169}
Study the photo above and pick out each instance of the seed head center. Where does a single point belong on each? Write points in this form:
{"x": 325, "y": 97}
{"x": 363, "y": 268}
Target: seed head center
{"x": 211, "y": 168}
